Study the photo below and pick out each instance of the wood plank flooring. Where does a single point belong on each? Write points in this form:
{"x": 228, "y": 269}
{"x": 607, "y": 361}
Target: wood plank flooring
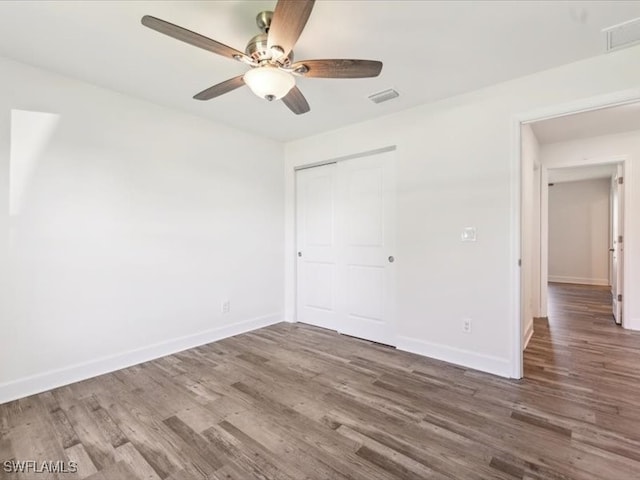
{"x": 296, "y": 402}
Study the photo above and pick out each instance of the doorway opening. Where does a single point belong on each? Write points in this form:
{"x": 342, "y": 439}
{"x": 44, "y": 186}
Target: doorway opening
{"x": 574, "y": 205}
{"x": 582, "y": 231}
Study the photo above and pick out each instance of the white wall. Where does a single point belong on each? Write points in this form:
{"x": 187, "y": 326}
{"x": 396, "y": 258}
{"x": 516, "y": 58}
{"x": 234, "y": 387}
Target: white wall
{"x": 536, "y": 246}
{"x": 135, "y": 224}
{"x": 454, "y": 169}
{"x": 597, "y": 150}
{"x": 579, "y": 232}
{"x": 530, "y": 220}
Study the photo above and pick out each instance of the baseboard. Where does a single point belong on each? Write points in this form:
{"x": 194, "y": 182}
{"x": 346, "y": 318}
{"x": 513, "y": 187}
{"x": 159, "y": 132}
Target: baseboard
{"x": 42, "y": 382}
{"x": 632, "y": 324}
{"x": 290, "y": 319}
{"x": 527, "y": 335}
{"x": 477, "y": 361}
{"x": 579, "y": 280}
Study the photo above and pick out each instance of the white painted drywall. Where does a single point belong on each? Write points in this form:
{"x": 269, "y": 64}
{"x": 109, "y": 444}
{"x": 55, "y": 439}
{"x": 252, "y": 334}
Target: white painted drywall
{"x": 595, "y": 151}
{"x": 536, "y": 218}
{"x": 530, "y": 219}
{"x": 579, "y": 232}
{"x": 135, "y": 223}
{"x": 454, "y": 169}
{"x": 543, "y": 265}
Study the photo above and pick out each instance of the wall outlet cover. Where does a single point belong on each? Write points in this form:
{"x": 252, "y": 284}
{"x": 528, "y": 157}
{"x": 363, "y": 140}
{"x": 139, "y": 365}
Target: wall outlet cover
{"x": 226, "y": 306}
{"x": 466, "y": 325}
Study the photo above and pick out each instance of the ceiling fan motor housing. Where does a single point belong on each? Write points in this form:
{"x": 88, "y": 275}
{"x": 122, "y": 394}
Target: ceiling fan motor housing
{"x": 258, "y": 48}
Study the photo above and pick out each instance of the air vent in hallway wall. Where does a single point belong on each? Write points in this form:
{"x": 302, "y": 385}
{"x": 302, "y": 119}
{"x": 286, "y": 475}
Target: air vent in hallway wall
{"x": 622, "y": 35}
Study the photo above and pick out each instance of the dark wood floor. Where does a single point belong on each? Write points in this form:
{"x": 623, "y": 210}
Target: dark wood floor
{"x": 297, "y": 402}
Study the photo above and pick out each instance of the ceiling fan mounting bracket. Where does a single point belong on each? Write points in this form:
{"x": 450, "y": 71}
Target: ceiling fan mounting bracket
{"x": 263, "y": 20}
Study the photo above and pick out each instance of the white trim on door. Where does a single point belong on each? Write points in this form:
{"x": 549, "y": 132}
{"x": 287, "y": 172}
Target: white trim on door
{"x": 352, "y": 156}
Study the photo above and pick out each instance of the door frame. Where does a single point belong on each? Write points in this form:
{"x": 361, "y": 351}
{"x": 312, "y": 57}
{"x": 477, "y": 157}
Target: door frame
{"x": 517, "y": 274}
{"x": 614, "y": 242}
{"x": 625, "y": 162}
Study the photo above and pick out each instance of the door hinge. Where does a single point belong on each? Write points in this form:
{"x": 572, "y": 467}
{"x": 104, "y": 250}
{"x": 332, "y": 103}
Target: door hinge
{"x": 619, "y": 238}
{"x": 620, "y": 180}
{"x": 619, "y": 297}
{"x": 519, "y": 262}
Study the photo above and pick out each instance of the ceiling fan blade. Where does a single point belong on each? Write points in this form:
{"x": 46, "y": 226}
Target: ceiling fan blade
{"x": 341, "y": 68}
{"x": 289, "y": 19}
{"x": 191, "y": 38}
{"x": 220, "y": 89}
{"x": 295, "y": 101}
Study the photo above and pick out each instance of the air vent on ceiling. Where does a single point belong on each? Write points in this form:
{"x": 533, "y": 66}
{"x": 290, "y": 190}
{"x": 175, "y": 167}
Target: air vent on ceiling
{"x": 384, "y": 95}
{"x": 623, "y": 35}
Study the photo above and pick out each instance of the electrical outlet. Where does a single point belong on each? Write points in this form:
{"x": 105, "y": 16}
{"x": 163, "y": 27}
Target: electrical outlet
{"x": 466, "y": 325}
{"x": 226, "y": 306}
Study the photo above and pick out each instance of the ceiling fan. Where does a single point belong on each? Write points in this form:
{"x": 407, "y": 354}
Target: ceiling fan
{"x": 270, "y": 56}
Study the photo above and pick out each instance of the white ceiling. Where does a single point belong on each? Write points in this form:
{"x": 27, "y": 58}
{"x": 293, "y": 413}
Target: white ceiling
{"x": 605, "y": 121}
{"x": 430, "y": 49}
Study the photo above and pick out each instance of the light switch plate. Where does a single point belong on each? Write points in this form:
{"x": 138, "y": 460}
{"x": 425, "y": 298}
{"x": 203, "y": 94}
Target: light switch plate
{"x": 468, "y": 234}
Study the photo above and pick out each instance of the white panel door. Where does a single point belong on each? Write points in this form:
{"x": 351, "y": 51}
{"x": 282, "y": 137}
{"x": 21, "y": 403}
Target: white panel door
{"x": 345, "y": 243}
{"x": 316, "y": 246}
{"x": 617, "y": 253}
{"x": 366, "y": 189}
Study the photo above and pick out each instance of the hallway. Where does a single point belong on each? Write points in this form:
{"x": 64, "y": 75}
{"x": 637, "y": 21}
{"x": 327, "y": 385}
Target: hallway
{"x": 589, "y": 368}
{"x": 580, "y": 339}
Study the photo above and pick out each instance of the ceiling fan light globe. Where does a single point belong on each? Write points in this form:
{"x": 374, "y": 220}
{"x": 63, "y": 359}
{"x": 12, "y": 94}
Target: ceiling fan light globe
{"x": 269, "y": 82}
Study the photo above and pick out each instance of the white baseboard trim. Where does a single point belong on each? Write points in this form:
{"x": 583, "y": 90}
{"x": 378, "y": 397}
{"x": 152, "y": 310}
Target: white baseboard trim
{"x": 631, "y": 324}
{"x": 579, "y": 280}
{"x": 527, "y": 335}
{"x": 466, "y": 358}
{"x": 42, "y": 382}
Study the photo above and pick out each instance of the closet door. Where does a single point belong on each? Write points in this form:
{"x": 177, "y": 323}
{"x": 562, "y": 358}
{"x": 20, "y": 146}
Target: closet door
{"x": 316, "y": 296}
{"x": 345, "y": 246}
{"x": 366, "y": 259}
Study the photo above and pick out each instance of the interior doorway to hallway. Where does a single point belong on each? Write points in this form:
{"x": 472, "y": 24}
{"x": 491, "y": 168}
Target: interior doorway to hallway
{"x": 574, "y": 202}
{"x": 584, "y": 219}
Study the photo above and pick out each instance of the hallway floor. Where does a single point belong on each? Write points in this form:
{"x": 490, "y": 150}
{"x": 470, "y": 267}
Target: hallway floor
{"x": 588, "y": 368}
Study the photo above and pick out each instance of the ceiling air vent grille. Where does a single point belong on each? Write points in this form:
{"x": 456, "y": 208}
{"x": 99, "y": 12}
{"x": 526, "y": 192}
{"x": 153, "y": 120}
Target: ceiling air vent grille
{"x": 623, "y": 35}
{"x": 384, "y": 95}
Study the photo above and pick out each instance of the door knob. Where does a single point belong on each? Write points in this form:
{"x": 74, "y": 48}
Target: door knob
{"x": 391, "y": 259}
